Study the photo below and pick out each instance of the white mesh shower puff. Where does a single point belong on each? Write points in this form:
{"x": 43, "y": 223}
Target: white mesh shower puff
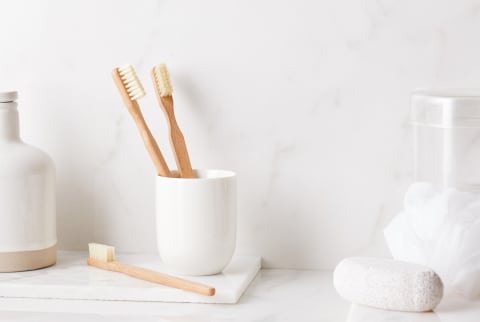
{"x": 440, "y": 228}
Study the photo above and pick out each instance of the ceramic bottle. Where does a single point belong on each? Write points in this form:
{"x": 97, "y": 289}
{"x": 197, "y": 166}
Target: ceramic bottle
{"x": 27, "y": 197}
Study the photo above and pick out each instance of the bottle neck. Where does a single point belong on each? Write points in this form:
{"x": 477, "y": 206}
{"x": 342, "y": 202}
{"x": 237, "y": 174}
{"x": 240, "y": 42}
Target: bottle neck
{"x": 9, "y": 127}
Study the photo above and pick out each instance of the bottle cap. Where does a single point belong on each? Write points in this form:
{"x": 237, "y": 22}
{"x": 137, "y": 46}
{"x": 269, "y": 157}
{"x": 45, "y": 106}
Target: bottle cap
{"x": 6, "y": 97}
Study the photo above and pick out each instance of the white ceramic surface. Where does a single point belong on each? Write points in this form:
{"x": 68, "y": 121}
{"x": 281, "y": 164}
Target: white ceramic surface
{"x": 275, "y": 295}
{"x": 71, "y": 278}
{"x": 307, "y": 101}
{"x": 196, "y": 221}
{"x": 27, "y": 189}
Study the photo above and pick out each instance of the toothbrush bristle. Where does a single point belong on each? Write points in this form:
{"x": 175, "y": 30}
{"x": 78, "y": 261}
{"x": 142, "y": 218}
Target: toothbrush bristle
{"x": 163, "y": 80}
{"x": 131, "y": 82}
{"x": 101, "y": 252}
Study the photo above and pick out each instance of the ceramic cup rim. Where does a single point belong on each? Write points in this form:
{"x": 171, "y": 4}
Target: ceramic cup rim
{"x": 205, "y": 175}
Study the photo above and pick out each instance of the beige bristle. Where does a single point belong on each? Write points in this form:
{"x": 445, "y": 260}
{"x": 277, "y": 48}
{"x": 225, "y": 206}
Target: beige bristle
{"x": 101, "y": 252}
{"x": 163, "y": 80}
{"x": 131, "y": 82}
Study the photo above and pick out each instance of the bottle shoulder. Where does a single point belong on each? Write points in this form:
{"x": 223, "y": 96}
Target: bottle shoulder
{"x": 23, "y": 157}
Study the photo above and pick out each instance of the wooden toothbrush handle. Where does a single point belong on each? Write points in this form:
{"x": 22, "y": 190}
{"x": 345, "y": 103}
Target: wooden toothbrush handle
{"x": 153, "y": 276}
{"x": 149, "y": 141}
{"x": 147, "y": 137}
{"x": 177, "y": 140}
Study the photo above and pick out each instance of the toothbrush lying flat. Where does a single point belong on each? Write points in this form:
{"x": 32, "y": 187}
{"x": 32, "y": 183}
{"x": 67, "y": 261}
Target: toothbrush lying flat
{"x": 163, "y": 89}
{"x": 103, "y": 257}
{"x": 131, "y": 90}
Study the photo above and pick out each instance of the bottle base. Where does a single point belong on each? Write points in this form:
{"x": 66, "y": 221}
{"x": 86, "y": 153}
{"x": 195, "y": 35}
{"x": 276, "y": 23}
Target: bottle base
{"x": 28, "y": 260}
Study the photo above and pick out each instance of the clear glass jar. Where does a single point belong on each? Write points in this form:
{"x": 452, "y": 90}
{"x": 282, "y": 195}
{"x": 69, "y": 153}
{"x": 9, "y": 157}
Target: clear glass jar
{"x": 446, "y": 128}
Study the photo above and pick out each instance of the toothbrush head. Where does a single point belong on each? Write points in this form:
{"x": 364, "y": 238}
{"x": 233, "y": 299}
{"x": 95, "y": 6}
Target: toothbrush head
{"x": 101, "y": 252}
{"x": 162, "y": 80}
{"x": 130, "y": 81}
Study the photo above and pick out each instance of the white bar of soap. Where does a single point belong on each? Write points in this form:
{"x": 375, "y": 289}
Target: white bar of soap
{"x": 388, "y": 284}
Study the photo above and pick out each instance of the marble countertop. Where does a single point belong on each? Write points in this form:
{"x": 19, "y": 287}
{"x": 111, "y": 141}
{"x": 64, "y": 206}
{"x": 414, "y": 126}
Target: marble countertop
{"x": 275, "y": 295}
{"x": 72, "y": 279}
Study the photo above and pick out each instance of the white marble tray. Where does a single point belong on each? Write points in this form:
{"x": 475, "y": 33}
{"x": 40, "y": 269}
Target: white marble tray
{"x": 72, "y": 278}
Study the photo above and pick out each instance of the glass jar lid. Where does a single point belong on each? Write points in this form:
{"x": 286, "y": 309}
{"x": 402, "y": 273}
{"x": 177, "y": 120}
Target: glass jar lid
{"x": 446, "y": 108}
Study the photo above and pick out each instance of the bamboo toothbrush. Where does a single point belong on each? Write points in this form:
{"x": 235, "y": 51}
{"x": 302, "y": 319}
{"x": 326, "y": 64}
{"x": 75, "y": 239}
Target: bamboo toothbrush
{"x": 163, "y": 90}
{"x": 131, "y": 90}
{"x": 103, "y": 257}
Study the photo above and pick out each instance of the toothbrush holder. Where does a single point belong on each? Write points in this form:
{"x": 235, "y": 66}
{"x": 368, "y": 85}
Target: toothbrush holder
{"x": 196, "y": 221}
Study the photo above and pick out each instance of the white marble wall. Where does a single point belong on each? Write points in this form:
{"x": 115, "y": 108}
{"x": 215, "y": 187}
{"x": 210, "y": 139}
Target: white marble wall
{"x": 306, "y": 100}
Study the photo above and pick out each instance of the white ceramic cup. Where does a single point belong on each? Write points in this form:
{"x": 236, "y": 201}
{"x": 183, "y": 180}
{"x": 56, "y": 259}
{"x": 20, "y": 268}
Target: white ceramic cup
{"x": 196, "y": 221}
